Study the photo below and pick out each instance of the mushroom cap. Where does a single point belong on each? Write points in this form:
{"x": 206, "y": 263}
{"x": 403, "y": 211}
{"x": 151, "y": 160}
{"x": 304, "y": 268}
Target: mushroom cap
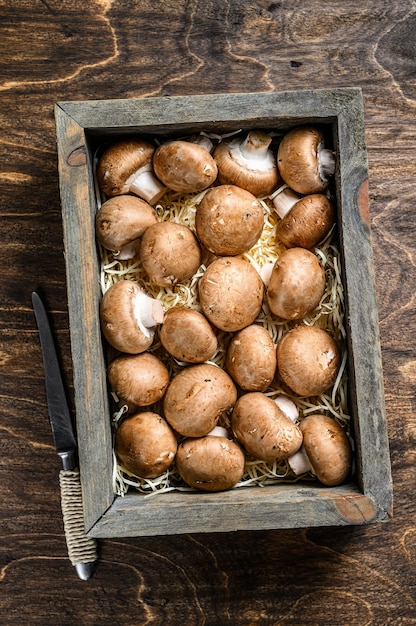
{"x": 187, "y": 335}
{"x": 184, "y": 166}
{"x": 229, "y": 220}
{"x": 251, "y": 358}
{"x": 197, "y": 397}
{"x": 308, "y": 360}
{"x": 307, "y": 222}
{"x": 263, "y": 429}
{"x": 254, "y": 170}
{"x": 121, "y": 161}
{"x": 138, "y": 379}
{"x": 298, "y": 160}
{"x": 123, "y": 219}
{"x": 122, "y": 314}
{"x": 170, "y": 253}
{"x": 210, "y": 463}
{"x": 296, "y": 285}
{"x": 328, "y": 449}
{"x": 231, "y": 293}
{"x": 145, "y": 444}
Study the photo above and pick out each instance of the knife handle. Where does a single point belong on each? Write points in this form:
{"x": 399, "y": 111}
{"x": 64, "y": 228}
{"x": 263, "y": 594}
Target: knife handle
{"x": 81, "y": 549}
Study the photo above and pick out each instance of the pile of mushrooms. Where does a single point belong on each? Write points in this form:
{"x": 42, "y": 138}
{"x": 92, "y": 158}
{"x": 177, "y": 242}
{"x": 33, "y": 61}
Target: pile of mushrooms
{"x": 178, "y": 409}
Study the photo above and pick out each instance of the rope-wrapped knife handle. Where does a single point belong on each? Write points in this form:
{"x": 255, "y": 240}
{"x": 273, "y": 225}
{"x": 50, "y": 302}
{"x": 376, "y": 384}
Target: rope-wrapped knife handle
{"x": 82, "y": 550}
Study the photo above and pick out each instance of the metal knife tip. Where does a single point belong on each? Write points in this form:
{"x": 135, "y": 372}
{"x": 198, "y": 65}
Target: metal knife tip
{"x": 85, "y": 570}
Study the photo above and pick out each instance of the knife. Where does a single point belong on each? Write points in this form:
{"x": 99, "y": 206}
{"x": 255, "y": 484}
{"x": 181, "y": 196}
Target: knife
{"x": 82, "y": 550}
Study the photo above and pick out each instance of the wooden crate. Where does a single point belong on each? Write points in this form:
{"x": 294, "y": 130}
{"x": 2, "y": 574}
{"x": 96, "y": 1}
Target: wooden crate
{"x": 84, "y": 125}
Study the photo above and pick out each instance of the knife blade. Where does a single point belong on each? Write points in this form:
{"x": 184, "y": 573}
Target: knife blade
{"x": 81, "y": 549}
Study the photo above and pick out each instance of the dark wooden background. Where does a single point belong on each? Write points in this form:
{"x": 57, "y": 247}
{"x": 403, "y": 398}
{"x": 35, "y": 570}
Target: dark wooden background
{"x": 65, "y": 50}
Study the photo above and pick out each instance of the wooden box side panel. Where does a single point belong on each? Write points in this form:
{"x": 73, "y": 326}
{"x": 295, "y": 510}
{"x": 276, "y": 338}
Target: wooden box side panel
{"x": 365, "y": 365}
{"x": 83, "y": 286}
{"x": 228, "y": 112}
{"x": 283, "y": 506}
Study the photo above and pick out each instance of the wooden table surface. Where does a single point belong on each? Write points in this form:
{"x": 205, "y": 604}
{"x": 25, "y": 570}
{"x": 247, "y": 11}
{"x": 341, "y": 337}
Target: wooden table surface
{"x": 99, "y": 49}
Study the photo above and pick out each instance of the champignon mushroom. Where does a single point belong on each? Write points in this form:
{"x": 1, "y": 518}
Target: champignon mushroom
{"x": 296, "y": 285}
{"x": 231, "y": 293}
{"x": 128, "y": 317}
{"x": 211, "y": 463}
{"x": 120, "y": 221}
{"x": 251, "y": 358}
{"x": 326, "y": 451}
{"x": 303, "y": 161}
{"x": 263, "y": 429}
{"x": 170, "y": 253}
{"x": 229, "y": 220}
{"x": 197, "y": 397}
{"x": 187, "y": 335}
{"x": 305, "y": 221}
{"x": 126, "y": 167}
{"x": 145, "y": 445}
{"x": 308, "y": 360}
{"x": 248, "y": 163}
{"x": 184, "y": 166}
{"x": 138, "y": 379}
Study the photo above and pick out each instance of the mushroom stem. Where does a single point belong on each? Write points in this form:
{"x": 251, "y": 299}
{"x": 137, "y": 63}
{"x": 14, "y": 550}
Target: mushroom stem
{"x": 144, "y": 184}
{"x": 284, "y": 199}
{"x": 203, "y": 141}
{"x": 299, "y": 463}
{"x": 127, "y": 252}
{"x": 147, "y": 311}
{"x": 254, "y": 148}
{"x": 326, "y": 162}
{"x": 266, "y": 272}
{"x": 218, "y": 431}
{"x": 288, "y": 407}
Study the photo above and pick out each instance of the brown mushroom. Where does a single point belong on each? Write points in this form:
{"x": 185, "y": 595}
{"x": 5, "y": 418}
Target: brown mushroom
{"x": 296, "y": 285}
{"x": 138, "y": 379}
{"x": 121, "y": 221}
{"x": 129, "y": 316}
{"x": 187, "y": 335}
{"x": 248, "y": 163}
{"x": 196, "y": 399}
{"x": 303, "y": 161}
{"x": 211, "y": 463}
{"x": 170, "y": 253}
{"x": 145, "y": 445}
{"x": 304, "y": 221}
{"x": 308, "y": 360}
{"x": 231, "y": 293}
{"x": 229, "y": 220}
{"x": 126, "y": 167}
{"x": 251, "y": 358}
{"x": 326, "y": 451}
{"x": 184, "y": 166}
{"x": 263, "y": 429}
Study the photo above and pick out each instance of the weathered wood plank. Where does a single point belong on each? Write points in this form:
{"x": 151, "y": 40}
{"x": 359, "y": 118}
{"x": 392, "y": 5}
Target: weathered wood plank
{"x": 93, "y": 425}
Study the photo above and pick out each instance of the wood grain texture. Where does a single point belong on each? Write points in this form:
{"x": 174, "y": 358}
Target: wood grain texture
{"x": 54, "y": 51}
